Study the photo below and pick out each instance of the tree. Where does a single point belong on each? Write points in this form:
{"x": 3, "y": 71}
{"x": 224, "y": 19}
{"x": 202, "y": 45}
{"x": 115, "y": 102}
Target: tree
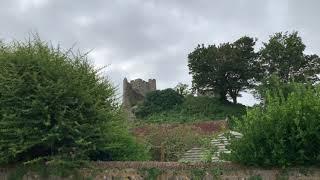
{"x": 283, "y": 55}
{"x": 54, "y": 106}
{"x": 182, "y": 89}
{"x": 225, "y": 69}
{"x": 273, "y": 84}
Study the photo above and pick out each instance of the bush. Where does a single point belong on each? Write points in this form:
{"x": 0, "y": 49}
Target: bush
{"x": 54, "y": 106}
{"x": 211, "y": 107}
{"x": 159, "y": 101}
{"x": 173, "y": 141}
{"x": 285, "y": 132}
{"x": 201, "y": 108}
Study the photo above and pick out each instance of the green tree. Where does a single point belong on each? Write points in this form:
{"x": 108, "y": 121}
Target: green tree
{"x": 226, "y": 69}
{"x": 273, "y": 84}
{"x": 54, "y": 106}
{"x": 283, "y": 55}
{"x": 182, "y": 89}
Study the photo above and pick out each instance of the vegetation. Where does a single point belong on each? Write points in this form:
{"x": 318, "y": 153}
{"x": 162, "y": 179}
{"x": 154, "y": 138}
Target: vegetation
{"x": 201, "y": 108}
{"x": 283, "y": 132}
{"x": 283, "y": 55}
{"x": 172, "y": 143}
{"x": 54, "y": 107}
{"x": 159, "y": 101}
{"x": 151, "y": 173}
{"x": 229, "y": 68}
{"x": 225, "y": 69}
{"x": 182, "y": 89}
{"x": 274, "y": 85}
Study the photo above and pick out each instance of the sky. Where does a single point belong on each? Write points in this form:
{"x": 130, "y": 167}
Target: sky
{"x": 152, "y": 38}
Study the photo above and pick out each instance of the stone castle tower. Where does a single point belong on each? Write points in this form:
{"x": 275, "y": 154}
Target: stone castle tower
{"x": 136, "y": 90}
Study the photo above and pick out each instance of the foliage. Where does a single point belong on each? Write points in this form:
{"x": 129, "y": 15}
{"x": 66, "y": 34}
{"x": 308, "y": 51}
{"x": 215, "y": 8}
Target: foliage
{"x": 55, "y": 107}
{"x": 182, "y": 89}
{"x": 283, "y": 56}
{"x": 283, "y": 132}
{"x": 201, "y": 108}
{"x": 255, "y": 177}
{"x": 216, "y": 172}
{"x": 151, "y": 173}
{"x": 209, "y": 149}
{"x": 174, "y": 142}
{"x": 159, "y": 101}
{"x": 225, "y": 69}
{"x": 198, "y": 174}
{"x": 18, "y": 173}
{"x": 211, "y": 107}
{"x": 274, "y": 85}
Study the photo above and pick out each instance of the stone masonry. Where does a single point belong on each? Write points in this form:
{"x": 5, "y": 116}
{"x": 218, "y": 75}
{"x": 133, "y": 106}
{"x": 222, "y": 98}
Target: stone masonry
{"x": 136, "y": 90}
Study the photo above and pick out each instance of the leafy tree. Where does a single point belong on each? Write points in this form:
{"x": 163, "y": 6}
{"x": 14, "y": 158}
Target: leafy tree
{"x": 54, "y": 106}
{"x": 283, "y": 55}
{"x": 274, "y": 85}
{"x": 225, "y": 69}
{"x": 283, "y": 132}
{"x": 182, "y": 89}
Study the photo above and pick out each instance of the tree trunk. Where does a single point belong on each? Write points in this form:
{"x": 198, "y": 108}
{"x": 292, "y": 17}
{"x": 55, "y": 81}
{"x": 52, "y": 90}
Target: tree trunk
{"x": 234, "y": 99}
{"x": 223, "y": 96}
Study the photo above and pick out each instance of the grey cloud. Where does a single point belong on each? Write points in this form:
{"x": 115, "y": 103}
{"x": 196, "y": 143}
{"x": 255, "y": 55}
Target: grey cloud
{"x": 152, "y": 38}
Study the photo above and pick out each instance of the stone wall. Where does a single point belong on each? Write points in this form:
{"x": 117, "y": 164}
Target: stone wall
{"x": 182, "y": 171}
{"x": 136, "y": 90}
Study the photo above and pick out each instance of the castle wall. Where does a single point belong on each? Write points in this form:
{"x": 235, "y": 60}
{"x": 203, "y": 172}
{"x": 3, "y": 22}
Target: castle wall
{"x": 136, "y": 90}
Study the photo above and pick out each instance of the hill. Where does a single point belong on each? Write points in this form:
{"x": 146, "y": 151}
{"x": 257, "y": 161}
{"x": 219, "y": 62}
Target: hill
{"x": 193, "y": 109}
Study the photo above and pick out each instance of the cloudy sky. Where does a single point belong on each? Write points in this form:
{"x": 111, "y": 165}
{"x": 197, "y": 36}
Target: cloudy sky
{"x": 152, "y": 38}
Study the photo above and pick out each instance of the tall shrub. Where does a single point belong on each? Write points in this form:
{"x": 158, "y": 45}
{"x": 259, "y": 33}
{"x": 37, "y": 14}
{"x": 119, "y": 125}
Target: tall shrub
{"x": 285, "y": 132}
{"x": 54, "y": 106}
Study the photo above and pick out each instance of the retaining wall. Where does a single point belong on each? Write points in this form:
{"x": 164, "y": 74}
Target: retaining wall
{"x": 180, "y": 171}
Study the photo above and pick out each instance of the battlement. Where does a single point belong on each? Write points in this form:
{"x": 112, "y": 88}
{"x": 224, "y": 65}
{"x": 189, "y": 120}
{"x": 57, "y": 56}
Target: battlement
{"x": 136, "y": 90}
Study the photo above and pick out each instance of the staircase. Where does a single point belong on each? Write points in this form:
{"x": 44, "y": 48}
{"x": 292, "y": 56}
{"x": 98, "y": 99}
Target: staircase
{"x": 221, "y": 142}
{"x": 193, "y": 155}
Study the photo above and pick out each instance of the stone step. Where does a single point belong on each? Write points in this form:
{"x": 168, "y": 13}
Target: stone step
{"x": 219, "y": 141}
{"x": 218, "y": 145}
{"x": 222, "y": 139}
{"x": 194, "y": 152}
{"x": 192, "y": 158}
{"x": 195, "y": 155}
{"x": 227, "y": 152}
{"x": 221, "y": 144}
{"x": 200, "y": 152}
{"x": 215, "y": 158}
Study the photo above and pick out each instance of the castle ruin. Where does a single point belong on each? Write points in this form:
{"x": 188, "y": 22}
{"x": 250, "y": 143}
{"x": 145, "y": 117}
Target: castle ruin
{"x": 136, "y": 91}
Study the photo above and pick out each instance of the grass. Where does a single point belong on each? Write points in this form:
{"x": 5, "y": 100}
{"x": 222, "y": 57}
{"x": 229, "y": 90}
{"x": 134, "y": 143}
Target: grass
{"x": 195, "y": 109}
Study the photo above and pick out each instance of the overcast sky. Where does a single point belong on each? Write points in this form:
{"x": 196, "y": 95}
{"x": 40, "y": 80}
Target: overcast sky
{"x": 152, "y": 38}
